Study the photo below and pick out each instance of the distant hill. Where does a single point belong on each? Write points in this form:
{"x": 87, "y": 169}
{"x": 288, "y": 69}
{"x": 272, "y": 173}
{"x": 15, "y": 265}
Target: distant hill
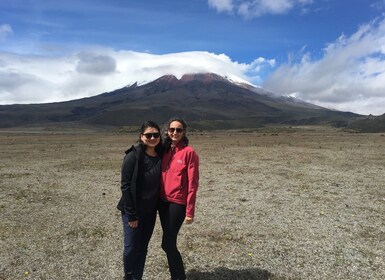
{"x": 368, "y": 124}
{"x": 206, "y": 101}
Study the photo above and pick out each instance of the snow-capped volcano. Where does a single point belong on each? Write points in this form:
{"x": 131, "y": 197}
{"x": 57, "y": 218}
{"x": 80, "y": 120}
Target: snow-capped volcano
{"x": 206, "y": 100}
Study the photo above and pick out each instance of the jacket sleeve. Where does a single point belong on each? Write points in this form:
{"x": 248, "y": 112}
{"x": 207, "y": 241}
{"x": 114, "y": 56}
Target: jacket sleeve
{"x": 128, "y": 181}
{"x": 193, "y": 182}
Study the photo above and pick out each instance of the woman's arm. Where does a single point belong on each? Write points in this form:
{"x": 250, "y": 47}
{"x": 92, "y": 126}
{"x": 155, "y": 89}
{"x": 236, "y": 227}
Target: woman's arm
{"x": 127, "y": 184}
{"x": 193, "y": 183}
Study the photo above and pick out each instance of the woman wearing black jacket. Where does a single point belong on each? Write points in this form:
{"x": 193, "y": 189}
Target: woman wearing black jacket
{"x": 140, "y": 184}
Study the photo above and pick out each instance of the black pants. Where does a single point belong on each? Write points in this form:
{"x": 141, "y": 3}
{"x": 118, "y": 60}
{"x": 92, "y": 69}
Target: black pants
{"x": 136, "y": 243}
{"x": 171, "y": 217}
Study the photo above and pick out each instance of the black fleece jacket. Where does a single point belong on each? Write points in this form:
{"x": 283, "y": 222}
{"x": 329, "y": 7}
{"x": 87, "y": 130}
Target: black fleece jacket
{"x": 129, "y": 179}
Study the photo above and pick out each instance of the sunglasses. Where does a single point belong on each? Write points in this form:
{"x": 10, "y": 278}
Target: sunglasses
{"x": 150, "y": 135}
{"x": 173, "y": 129}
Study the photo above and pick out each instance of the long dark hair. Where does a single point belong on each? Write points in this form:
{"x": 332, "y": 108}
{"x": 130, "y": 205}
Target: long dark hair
{"x": 152, "y": 124}
{"x": 167, "y": 139}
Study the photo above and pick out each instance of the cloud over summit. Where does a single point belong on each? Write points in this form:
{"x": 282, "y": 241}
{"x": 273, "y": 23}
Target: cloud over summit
{"x": 38, "y": 79}
{"x": 95, "y": 64}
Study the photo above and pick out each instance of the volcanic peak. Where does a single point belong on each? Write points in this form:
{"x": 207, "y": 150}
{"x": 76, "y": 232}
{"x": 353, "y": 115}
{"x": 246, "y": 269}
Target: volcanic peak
{"x": 204, "y": 78}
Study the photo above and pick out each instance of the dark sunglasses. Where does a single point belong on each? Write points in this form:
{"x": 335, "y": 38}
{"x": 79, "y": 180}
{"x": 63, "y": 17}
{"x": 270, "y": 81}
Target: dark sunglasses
{"x": 150, "y": 135}
{"x": 173, "y": 129}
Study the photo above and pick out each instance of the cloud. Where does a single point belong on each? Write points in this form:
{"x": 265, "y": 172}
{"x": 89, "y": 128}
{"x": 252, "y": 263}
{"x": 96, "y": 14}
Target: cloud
{"x": 39, "y": 79}
{"x": 257, "y": 8}
{"x": 378, "y": 5}
{"x": 95, "y": 64}
{"x": 222, "y": 5}
{"x": 350, "y": 76}
{"x": 5, "y": 30}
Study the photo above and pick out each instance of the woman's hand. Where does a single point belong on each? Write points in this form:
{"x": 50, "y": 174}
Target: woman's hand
{"x": 133, "y": 224}
{"x": 189, "y": 220}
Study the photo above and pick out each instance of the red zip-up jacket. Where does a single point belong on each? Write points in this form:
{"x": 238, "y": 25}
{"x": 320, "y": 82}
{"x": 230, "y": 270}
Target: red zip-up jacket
{"x": 180, "y": 177}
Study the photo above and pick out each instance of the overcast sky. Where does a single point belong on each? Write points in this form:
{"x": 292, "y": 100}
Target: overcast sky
{"x": 327, "y": 52}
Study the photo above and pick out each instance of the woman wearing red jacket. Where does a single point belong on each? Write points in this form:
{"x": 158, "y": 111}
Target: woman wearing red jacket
{"x": 179, "y": 185}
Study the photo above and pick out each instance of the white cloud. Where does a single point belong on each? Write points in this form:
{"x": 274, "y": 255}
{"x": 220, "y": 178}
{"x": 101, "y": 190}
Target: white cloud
{"x": 350, "y": 75}
{"x": 221, "y": 5}
{"x": 5, "y": 30}
{"x": 257, "y": 8}
{"x": 37, "y": 79}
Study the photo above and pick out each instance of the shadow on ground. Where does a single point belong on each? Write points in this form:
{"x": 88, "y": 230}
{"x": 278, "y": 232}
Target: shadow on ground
{"x": 227, "y": 274}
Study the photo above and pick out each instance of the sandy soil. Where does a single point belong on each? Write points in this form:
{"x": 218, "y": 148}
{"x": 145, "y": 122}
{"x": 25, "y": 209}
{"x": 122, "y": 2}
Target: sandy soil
{"x": 300, "y": 203}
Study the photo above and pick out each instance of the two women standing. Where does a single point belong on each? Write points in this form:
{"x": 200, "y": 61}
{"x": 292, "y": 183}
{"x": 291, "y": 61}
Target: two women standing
{"x": 148, "y": 184}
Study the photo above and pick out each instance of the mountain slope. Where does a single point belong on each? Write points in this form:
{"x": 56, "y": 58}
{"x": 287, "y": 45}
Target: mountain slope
{"x": 205, "y": 100}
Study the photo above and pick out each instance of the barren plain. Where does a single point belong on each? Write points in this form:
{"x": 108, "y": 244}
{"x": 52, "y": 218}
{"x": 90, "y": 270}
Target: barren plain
{"x": 294, "y": 203}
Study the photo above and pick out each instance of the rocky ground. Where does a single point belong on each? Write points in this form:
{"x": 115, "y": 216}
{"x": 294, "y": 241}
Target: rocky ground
{"x": 295, "y": 203}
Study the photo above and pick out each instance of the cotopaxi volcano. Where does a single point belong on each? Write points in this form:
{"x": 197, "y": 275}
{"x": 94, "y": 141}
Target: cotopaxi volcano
{"x": 205, "y": 100}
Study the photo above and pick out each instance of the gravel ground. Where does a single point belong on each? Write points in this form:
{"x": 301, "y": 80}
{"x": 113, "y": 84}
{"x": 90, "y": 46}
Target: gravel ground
{"x": 295, "y": 203}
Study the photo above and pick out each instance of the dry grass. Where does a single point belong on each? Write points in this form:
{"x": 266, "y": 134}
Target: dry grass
{"x": 297, "y": 204}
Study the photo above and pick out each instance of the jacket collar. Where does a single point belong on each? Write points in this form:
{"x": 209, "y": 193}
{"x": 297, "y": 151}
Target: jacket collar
{"x": 179, "y": 146}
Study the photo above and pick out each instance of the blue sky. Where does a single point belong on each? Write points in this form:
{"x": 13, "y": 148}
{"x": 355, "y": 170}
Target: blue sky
{"x": 328, "y": 52}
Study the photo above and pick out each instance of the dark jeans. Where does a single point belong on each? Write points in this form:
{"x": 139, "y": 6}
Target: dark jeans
{"x": 171, "y": 217}
{"x": 135, "y": 244}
